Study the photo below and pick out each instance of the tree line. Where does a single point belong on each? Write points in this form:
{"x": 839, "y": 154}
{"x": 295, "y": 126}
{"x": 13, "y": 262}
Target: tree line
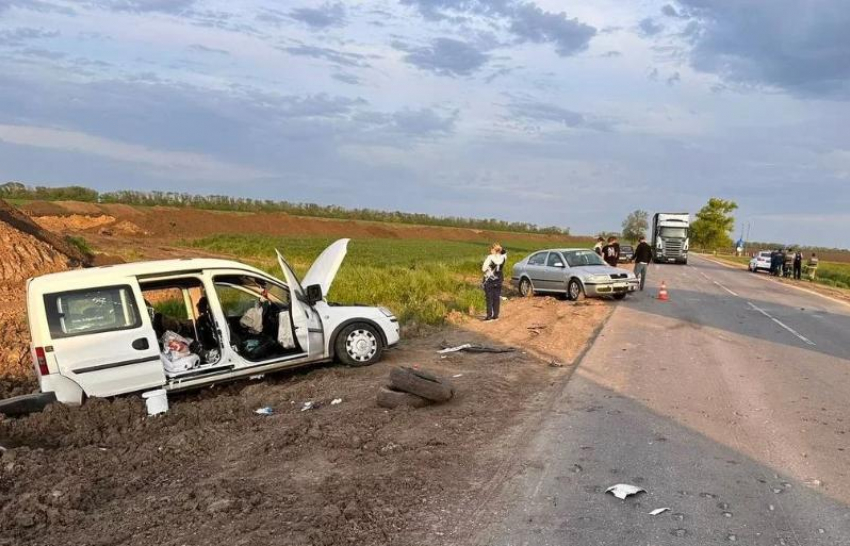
{"x": 17, "y": 190}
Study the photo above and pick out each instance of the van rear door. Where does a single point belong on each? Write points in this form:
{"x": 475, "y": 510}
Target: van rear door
{"x": 103, "y": 339}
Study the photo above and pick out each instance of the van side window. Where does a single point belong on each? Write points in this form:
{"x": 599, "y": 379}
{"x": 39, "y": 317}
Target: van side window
{"x": 91, "y": 311}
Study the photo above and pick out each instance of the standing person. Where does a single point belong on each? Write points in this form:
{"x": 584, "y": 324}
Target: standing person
{"x": 493, "y": 279}
{"x": 774, "y": 262}
{"x": 600, "y": 242}
{"x": 813, "y": 266}
{"x": 643, "y": 255}
{"x": 611, "y": 252}
{"x": 798, "y": 265}
{"x": 788, "y": 270}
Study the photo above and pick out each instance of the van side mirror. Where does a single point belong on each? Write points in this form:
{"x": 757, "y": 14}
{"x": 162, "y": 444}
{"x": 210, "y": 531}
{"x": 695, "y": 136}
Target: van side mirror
{"x": 314, "y": 293}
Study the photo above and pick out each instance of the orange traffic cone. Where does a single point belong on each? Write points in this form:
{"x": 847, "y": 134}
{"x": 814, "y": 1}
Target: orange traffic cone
{"x": 662, "y": 292}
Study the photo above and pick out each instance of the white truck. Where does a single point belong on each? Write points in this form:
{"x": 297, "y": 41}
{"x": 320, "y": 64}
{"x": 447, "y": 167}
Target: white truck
{"x": 670, "y": 237}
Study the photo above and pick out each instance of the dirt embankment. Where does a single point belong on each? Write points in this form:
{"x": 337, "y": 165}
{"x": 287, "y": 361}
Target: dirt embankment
{"x": 213, "y": 471}
{"x": 171, "y": 222}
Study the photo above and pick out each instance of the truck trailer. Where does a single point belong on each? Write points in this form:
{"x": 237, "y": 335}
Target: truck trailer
{"x": 670, "y": 232}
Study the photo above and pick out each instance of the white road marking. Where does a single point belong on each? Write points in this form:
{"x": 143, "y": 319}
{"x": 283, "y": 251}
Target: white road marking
{"x": 726, "y": 289}
{"x": 780, "y": 323}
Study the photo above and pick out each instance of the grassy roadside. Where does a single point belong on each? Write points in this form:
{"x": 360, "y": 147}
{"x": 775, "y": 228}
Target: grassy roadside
{"x": 422, "y": 281}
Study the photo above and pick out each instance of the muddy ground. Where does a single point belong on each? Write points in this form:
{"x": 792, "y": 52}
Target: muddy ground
{"x": 211, "y": 471}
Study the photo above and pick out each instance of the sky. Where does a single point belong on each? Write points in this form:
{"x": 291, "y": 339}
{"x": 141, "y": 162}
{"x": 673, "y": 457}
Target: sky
{"x": 555, "y": 112}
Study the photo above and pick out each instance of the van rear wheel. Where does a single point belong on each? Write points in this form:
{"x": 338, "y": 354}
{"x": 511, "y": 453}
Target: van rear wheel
{"x": 358, "y": 345}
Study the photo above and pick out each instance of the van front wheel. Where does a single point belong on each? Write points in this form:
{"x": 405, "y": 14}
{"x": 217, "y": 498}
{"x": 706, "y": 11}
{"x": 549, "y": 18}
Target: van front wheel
{"x": 358, "y": 345}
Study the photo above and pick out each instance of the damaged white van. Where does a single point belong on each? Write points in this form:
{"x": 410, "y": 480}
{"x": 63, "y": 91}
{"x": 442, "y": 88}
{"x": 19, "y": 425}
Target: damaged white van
{"x": 180, "y": 324}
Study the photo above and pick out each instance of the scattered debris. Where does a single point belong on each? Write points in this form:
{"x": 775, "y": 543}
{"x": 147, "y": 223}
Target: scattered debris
{"x": 336, "y": 401}
{"x": 258, "y": 376}
{"x": 470, "y": 348}
{"x": 307, "y": 406}
{"x": 658, "y": 511}
{"x": 556, "y": 364}
{"x": 623, "y": 490}
{"x": 264, "y": 411}
{"x": 455, "y": 376}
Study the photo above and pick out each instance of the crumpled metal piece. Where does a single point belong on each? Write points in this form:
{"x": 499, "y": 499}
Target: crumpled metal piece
{"x": 658, "y": 511}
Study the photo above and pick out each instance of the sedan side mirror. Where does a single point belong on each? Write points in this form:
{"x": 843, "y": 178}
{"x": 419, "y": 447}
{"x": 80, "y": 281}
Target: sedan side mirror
{"x": 559, "y": 264}
{"x": 314, "y": 293}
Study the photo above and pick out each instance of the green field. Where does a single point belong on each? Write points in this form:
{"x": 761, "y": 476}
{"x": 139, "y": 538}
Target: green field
{"x": 420, "y": 280}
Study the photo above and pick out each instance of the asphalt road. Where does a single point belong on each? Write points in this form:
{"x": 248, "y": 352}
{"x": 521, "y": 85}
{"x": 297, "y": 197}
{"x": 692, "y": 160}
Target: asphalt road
{"x": 729, "y": 404}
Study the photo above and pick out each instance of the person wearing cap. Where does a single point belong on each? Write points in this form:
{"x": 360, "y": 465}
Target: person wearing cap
{"x": 493, "y": 279}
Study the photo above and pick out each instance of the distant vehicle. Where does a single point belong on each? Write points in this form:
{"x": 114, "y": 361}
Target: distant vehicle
{"x": 574, "y": 272}
{"x": 670, "y": 237}
{"x": 760, "y": 262}
{"x": 627, "y": 254}
{"x": 117, "y": 329}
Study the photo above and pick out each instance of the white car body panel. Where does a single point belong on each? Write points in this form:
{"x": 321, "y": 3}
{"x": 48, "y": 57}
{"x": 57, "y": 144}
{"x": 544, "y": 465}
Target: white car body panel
{"x": 324, "y": 269}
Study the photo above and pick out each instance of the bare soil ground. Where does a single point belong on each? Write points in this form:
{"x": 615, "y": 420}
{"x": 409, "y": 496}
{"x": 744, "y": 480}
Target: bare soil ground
{"x": 213, "y": 471}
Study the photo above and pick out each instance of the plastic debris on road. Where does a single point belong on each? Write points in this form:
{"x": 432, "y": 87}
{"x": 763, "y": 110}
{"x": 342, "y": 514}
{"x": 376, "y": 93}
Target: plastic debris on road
{"x": 336, "y": 401}
{"x": 455, "y": 376}
{"x": 658, "y": 511}
{"x": 623, "y": 490}
{"x": 307, "y": 406}
{"x": 264, "y": 411}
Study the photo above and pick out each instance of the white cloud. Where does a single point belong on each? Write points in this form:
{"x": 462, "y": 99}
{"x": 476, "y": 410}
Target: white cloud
{"x": 176, "y": 165}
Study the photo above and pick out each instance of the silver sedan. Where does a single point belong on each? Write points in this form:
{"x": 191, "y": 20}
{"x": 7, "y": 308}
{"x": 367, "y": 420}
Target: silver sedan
{"x": 575, "y": 272}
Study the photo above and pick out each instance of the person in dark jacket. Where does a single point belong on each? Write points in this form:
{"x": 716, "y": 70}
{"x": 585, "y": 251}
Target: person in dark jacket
{"x": 611, "y": 252}
{"x": 798, "y": 265}
{"x": 774, "y": 263}
{"x": 493, "y": 279}
{"x": 643, "y": 255}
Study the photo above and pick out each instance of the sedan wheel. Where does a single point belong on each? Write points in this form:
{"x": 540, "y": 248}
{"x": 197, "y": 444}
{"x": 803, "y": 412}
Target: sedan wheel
{"x": 526, "y": 290}
{"x": 575, "y": 291}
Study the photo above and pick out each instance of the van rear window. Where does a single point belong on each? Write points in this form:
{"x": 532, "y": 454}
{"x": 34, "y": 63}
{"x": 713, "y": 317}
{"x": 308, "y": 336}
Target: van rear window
{"x": 91, "y": 311}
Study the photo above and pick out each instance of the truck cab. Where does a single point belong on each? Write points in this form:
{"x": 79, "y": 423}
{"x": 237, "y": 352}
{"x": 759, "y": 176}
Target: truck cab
{"x": 670, "y": 237}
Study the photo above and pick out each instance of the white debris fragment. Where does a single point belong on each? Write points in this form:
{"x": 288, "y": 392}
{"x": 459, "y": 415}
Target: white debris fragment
{"x": 264, "y": 411}
{"x": 258, "y": 376}
{"x": 658, "y": 511}
{"x": 307, "y": 406}
{"x": 623, "y": 490}
{"x": 455, "y": 376}
{"x": 455, "y": 349}
{"x": 336, "y": 401}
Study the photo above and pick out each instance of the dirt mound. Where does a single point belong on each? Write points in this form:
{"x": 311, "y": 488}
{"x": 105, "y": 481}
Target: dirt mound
{"x": 16, "y": 371}
{"x": 73, "y": 222}
{"x": 23, "y": 256}
{"x": 14, "y": 220}
{"x": 125, "y": 227}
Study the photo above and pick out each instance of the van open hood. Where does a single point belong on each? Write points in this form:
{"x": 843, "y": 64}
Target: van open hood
{"x": 324, "y": 269}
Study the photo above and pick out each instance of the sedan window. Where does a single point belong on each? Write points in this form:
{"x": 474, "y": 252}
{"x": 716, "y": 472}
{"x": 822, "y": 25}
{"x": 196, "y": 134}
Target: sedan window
{"x": 537, "y": 259}
{"x": 555, "y": 260}
{"x": 577, "y": 258}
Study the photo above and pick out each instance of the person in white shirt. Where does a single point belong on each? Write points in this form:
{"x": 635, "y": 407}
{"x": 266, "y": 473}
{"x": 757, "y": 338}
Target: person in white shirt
{"x": 493, "y": 279}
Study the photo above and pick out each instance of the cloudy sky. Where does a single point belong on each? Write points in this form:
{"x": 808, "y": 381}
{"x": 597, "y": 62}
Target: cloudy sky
{"x": 562, "y": 112}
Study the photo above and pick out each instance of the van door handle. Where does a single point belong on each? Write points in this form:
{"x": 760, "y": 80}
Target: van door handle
{"x": 141, "y": 344}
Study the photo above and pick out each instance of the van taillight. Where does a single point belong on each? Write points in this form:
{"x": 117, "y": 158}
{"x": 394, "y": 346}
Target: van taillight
{"x": 41, "y": 361}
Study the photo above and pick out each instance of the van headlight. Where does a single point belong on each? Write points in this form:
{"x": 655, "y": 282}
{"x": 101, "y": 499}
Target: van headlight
{"x": 387, "y": 313}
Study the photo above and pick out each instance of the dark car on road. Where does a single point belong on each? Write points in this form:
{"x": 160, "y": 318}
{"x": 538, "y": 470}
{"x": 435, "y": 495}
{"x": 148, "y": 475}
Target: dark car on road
{"x": 627, "y": 254}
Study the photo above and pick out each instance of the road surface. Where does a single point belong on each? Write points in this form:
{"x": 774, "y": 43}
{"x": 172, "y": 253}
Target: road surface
{"x": 729, "y": 404}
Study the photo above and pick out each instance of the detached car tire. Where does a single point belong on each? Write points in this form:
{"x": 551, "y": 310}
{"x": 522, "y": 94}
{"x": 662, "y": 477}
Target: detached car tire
{"x": 421, "y": 383}
{"x": 358, "y": 344}
{"x": 389, "y": 398}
